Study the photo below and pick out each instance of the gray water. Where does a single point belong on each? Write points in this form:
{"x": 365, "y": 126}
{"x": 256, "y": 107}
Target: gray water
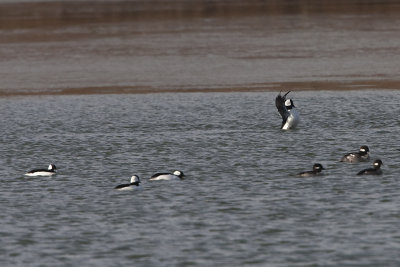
{"x": 240, "y": 203}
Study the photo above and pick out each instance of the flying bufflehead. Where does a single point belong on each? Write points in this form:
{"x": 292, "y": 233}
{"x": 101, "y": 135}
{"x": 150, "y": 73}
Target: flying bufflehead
{"x": 51, "y": 170}
{"x": 376, "y": 170}
{"x": 317, "y": 168}
{"x": 134, "y": 185}
{"x": 362, "y": 155}
{"x": 177, "y": 175}
{"x": 290, "y": 116}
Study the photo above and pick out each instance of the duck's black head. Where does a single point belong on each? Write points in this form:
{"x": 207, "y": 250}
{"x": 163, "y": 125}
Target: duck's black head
{"x": 289, "y": 104}
{"x": 135, "y": 180}
{"x": 318, "y": 167}
{"x": 377, "y": 163}
{"x": 52, "y": 167}
{"x": 179, "y": 174}
{"x": 364, "y": 150}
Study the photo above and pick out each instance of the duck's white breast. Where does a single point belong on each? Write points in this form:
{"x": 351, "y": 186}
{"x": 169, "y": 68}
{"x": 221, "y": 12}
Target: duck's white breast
{"x": 292, "y": 120}
{"x": 43, "y": 173}
{"x": 165, "y": 177}
{"x": 129, "y": 188}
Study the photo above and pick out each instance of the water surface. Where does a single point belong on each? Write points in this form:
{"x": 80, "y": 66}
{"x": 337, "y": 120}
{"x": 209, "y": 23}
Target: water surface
{"x": 240, "y": 204}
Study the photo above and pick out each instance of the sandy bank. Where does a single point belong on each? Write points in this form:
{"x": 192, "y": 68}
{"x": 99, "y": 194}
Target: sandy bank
{"x": 269, "y": 87}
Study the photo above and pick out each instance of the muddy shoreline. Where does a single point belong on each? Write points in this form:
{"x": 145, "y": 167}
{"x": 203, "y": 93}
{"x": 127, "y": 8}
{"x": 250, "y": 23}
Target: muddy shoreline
{"x": 271, "y": 87}
{"x": 156, "y": 46}
{"x": 57, "y": 13}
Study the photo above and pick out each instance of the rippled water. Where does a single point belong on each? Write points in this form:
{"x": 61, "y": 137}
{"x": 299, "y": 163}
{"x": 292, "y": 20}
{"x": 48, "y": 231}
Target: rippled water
{"x": 240, "y": 204}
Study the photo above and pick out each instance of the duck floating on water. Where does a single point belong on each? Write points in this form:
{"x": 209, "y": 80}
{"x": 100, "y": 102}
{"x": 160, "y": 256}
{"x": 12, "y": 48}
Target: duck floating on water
{"x": 51, "y": 170}
{"x": 376, "y": 170}
{"x": 133, "y": 185}
{"x": 317, "y": 169}
{"x": 360, "y": 156}
{"x": 176, "y": 175}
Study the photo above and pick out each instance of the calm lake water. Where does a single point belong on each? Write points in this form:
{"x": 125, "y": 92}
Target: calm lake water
{"x": 240, "y": 204}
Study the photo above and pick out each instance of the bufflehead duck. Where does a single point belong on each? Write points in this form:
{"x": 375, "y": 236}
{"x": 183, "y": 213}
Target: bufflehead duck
{"x": 376, "y": 170}
{"x": 317, "y": 168}
{"x": 289, "y": 114}
{"x": 134, "y": 185}
{"x": 362, "y": 155}
{"x": 177, "y": 175}
{"x": 51, "y": 170}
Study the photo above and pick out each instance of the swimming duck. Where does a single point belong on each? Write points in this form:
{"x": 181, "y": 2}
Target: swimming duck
{"x": 51, "y": 170}
{"x": 376, "y": 170}
{"x": 176, "y": 175}
{"x": 133, "y": 185}
{"x": 317, "y": 168}
{"x": 362, "y": 155}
